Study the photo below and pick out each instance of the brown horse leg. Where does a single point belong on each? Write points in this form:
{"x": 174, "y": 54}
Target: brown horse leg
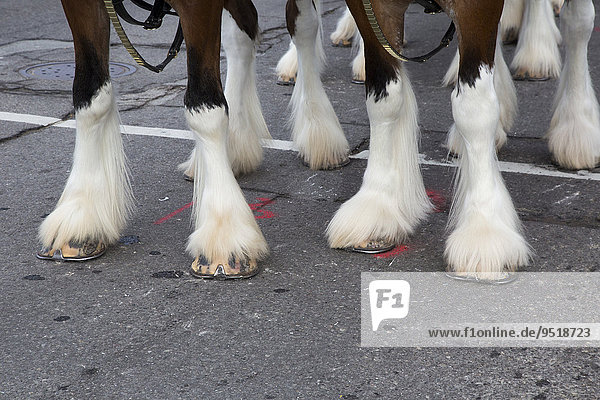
{"x": 226, "y": 242}
{"x": 392, "y": 199}
{"x": 96, "y": 200}
{"x": 247, "y": 126}
{"x": 486, "y": 240}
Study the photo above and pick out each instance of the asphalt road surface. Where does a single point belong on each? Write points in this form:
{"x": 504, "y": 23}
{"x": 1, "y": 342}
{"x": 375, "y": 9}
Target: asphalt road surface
{"x": 134, "y": 323}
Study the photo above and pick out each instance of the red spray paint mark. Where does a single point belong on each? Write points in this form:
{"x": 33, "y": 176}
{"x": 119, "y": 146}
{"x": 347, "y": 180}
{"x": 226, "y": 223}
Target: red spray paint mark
{"x": 256, "y": 207}
{"x": 171, "y": 215}
{"x": 439, "y": 201}
{"x": 259, "y": 212}
{"x": 396, "y": 251}
{"x": 597, "y": 29}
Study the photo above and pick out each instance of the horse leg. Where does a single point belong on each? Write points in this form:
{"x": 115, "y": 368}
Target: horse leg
{"x": 358, "y": 64}
{"x": 512, "y": 17}
{"x": 97, "y": 197}
{"x": 344, "y": 30}
{"x": 246, "y": 123}
{"x": 486, "y": 239}
{"x": 507, "y": 96}
{"x": 537, "y": 55}
{"x": 392, "y": 199}
{"x": 316, "y": 131}
{"x": 574, "y": 135}
{"x": 226, "y": 242}
{"x": 287, "y": 66}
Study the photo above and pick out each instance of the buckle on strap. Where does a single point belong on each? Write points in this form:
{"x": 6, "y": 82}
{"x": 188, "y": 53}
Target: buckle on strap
{"x": 115, "y": 8}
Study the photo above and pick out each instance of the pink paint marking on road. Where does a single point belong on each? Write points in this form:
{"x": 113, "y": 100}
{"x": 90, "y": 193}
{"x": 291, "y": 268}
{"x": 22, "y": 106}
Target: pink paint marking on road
{"x": 174, "y": 213}
{"x": 396, "y": 251}
{"x": 256, "y": 207}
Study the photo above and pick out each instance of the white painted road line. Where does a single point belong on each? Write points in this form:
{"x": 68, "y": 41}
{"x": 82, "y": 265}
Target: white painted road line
{"x": 505, "y": 166}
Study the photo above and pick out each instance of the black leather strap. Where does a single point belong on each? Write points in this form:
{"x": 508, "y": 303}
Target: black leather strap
{"x": 116, "y": 9}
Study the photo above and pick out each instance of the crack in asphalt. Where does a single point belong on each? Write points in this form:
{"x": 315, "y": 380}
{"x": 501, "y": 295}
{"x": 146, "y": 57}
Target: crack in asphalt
{"x": 150, "y": 95}
{"x": 22, "y": 88}
{"x": 69, "y": 115}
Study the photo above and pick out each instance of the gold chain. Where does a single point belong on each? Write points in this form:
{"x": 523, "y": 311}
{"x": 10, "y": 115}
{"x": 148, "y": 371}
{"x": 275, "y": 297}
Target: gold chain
{"x": 379, "y": 33}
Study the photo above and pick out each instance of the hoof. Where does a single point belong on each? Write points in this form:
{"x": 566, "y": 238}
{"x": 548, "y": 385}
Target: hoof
{"x": 286, "y": 81}
{"x": 526, "y": 76}
{"x": 188, "y": 178}
{"x": 341, "y": 164}
{"x": 231, "y": 269}
{"x": 358, "y": 81}
{"x": 342, "y": 43}
{"x": 73, "y": 251}
{"x": 374, "y": 247}
{"x": 498, "y": 278}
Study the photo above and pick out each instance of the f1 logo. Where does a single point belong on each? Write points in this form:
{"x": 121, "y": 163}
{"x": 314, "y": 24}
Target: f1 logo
{"x": 389, "y": 299}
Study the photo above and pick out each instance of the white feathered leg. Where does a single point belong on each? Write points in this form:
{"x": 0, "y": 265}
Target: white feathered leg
{"x": 358, "y": 64}
{"x": 512, "y": 16}
{"x": 247, "y": 126}
{"x": 452, "y": 73}
{"x": 97, "y": 198}
{"x": 316, "y": 131}
{"x": 345, "y": 30}
{"x": 507, "y": 97}
{"x": 574, "y": 135}
{"x": 537, "y": 55}
{"x": 287, "y": 67}
{"x": 246, "y": 123}
{"x": 486, "y": 237}
{"x": 224, "y": 224}
{"x": 392, "y": 199}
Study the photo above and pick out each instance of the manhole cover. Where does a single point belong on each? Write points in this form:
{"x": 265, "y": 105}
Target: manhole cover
{"x": 65, "y": 71}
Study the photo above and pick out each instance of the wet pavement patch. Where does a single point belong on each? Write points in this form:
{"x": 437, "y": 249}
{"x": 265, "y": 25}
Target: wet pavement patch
{"x": 155, "y": 253}
{"x": 127, "y": 240}
{"x": 34, "y": 278}
{"x": 168, "y": 274}
{"x": 62, "y": 318}
{"x": 281, "y": 290}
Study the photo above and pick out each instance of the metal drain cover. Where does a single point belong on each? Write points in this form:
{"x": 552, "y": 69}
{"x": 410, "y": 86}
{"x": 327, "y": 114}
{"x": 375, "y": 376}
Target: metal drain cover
{"x": 65, "y": 71}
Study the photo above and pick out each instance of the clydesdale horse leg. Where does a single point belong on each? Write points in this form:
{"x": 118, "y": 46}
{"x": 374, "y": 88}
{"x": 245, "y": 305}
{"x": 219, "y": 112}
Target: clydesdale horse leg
{"x": 486, "y": 239}
{"x": 96, "y": 199}
{"x": 227, "y": 242}
{"x": 316, "y": 130}
{"x": 239, "y": 34}
{"x": 574, "y": 135}
{"x": 392, "y": 199}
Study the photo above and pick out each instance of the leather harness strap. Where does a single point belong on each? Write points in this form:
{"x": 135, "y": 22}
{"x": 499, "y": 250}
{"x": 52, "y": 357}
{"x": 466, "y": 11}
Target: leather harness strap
{"x": 116, "y": 8}
{"x": 159, "y": 9}
{"x": 430, "y": 7}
